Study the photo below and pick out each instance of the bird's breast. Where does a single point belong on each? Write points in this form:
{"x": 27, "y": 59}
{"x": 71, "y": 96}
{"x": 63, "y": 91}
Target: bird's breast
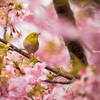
{"x": 32, "y": 48}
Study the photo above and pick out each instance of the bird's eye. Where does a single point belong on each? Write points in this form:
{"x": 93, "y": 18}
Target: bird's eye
{"x": 33, "y": 35}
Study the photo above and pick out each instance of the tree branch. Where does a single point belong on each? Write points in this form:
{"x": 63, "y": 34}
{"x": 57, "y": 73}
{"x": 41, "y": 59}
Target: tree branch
{"x": 59, "y": 82}
{"x": 59, "y": 73}
{"x": 22, "y": 73}
{"x": 15, "y": 48}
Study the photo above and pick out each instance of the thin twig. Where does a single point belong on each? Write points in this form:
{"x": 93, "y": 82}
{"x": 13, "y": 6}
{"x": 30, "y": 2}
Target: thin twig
{"x": 10, "y": 4}
{"x": 5, "y": 27}
{"x": 59, "y": 82}
{"x": 6, "y": 17}
{"x": 15, "y": 48}
{"x": 2, "y": 5}
{"x": 22, "y": 73}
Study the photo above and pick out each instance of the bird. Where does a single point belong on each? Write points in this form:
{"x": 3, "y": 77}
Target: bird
{"x": 31, "y": 43}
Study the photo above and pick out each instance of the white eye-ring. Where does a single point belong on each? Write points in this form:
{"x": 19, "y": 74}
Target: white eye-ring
{"x": 33, "y": 35}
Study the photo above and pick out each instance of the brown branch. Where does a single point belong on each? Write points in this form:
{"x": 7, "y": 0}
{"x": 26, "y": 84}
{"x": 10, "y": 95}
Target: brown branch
{"x": 6, "y": 17}
{"x": 15, "y": 48}
{"x": 22, "y": 73}
{"x": 76, "y": 48}
{"x": 59, "y": 73}
{"x": 59, "y": 82}
{"x": 2, "y": 5}
{"x": 10, "y": 4}
{"x": 5, "y": 27}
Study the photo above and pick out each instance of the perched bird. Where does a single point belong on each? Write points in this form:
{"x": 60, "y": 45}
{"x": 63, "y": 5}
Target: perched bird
{"x": 31, "y": 43}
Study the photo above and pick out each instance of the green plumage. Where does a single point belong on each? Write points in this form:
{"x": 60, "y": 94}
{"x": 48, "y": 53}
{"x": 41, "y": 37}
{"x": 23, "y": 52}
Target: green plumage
{"x": 31, "y": 43}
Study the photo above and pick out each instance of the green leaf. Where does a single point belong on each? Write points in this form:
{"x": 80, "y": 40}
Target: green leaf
{"x": 1, "y": 64}
{"x": 77, "y": 65}
{"x": 38, "y": 90}
{"x": 2, "y": 46}
{"x": 19, "y": 7}
{"x": 50, "y": 77}
{"x": 3, "y": 49}
{"x": 7, "y": 37}
{"x": 9, "y": 0}
{"x": 34, "y": 60}
{"x": 15, "y": 63}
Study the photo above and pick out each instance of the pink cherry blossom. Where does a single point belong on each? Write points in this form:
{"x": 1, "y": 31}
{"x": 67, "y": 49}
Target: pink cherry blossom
{"x": 19, "y": 34}
{"x": 61, "y": 95}
{"x": 32, "y": 74}
{"x": 10, "y": 68}
{"x": 48, "y": 97}
{"x": 26, "y": 98}
{"x": 87, "y": 87}
{"x": 2, "y": 98}
{"x": 41, "y": 78}
{"x": 19, "y": 16}
{"x": 17, "y": 87}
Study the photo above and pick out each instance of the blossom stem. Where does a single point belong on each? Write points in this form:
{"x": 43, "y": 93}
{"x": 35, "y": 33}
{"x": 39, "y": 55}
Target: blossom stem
{"x": 6, "y": 17}
{"x": 59, "y": 82}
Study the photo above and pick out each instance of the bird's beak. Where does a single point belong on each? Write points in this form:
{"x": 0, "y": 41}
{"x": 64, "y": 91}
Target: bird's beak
{"x": 39, "y": 33}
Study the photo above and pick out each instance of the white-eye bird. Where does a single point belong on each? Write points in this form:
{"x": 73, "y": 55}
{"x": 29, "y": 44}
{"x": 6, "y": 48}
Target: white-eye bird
{"x": 31, "y": 43}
